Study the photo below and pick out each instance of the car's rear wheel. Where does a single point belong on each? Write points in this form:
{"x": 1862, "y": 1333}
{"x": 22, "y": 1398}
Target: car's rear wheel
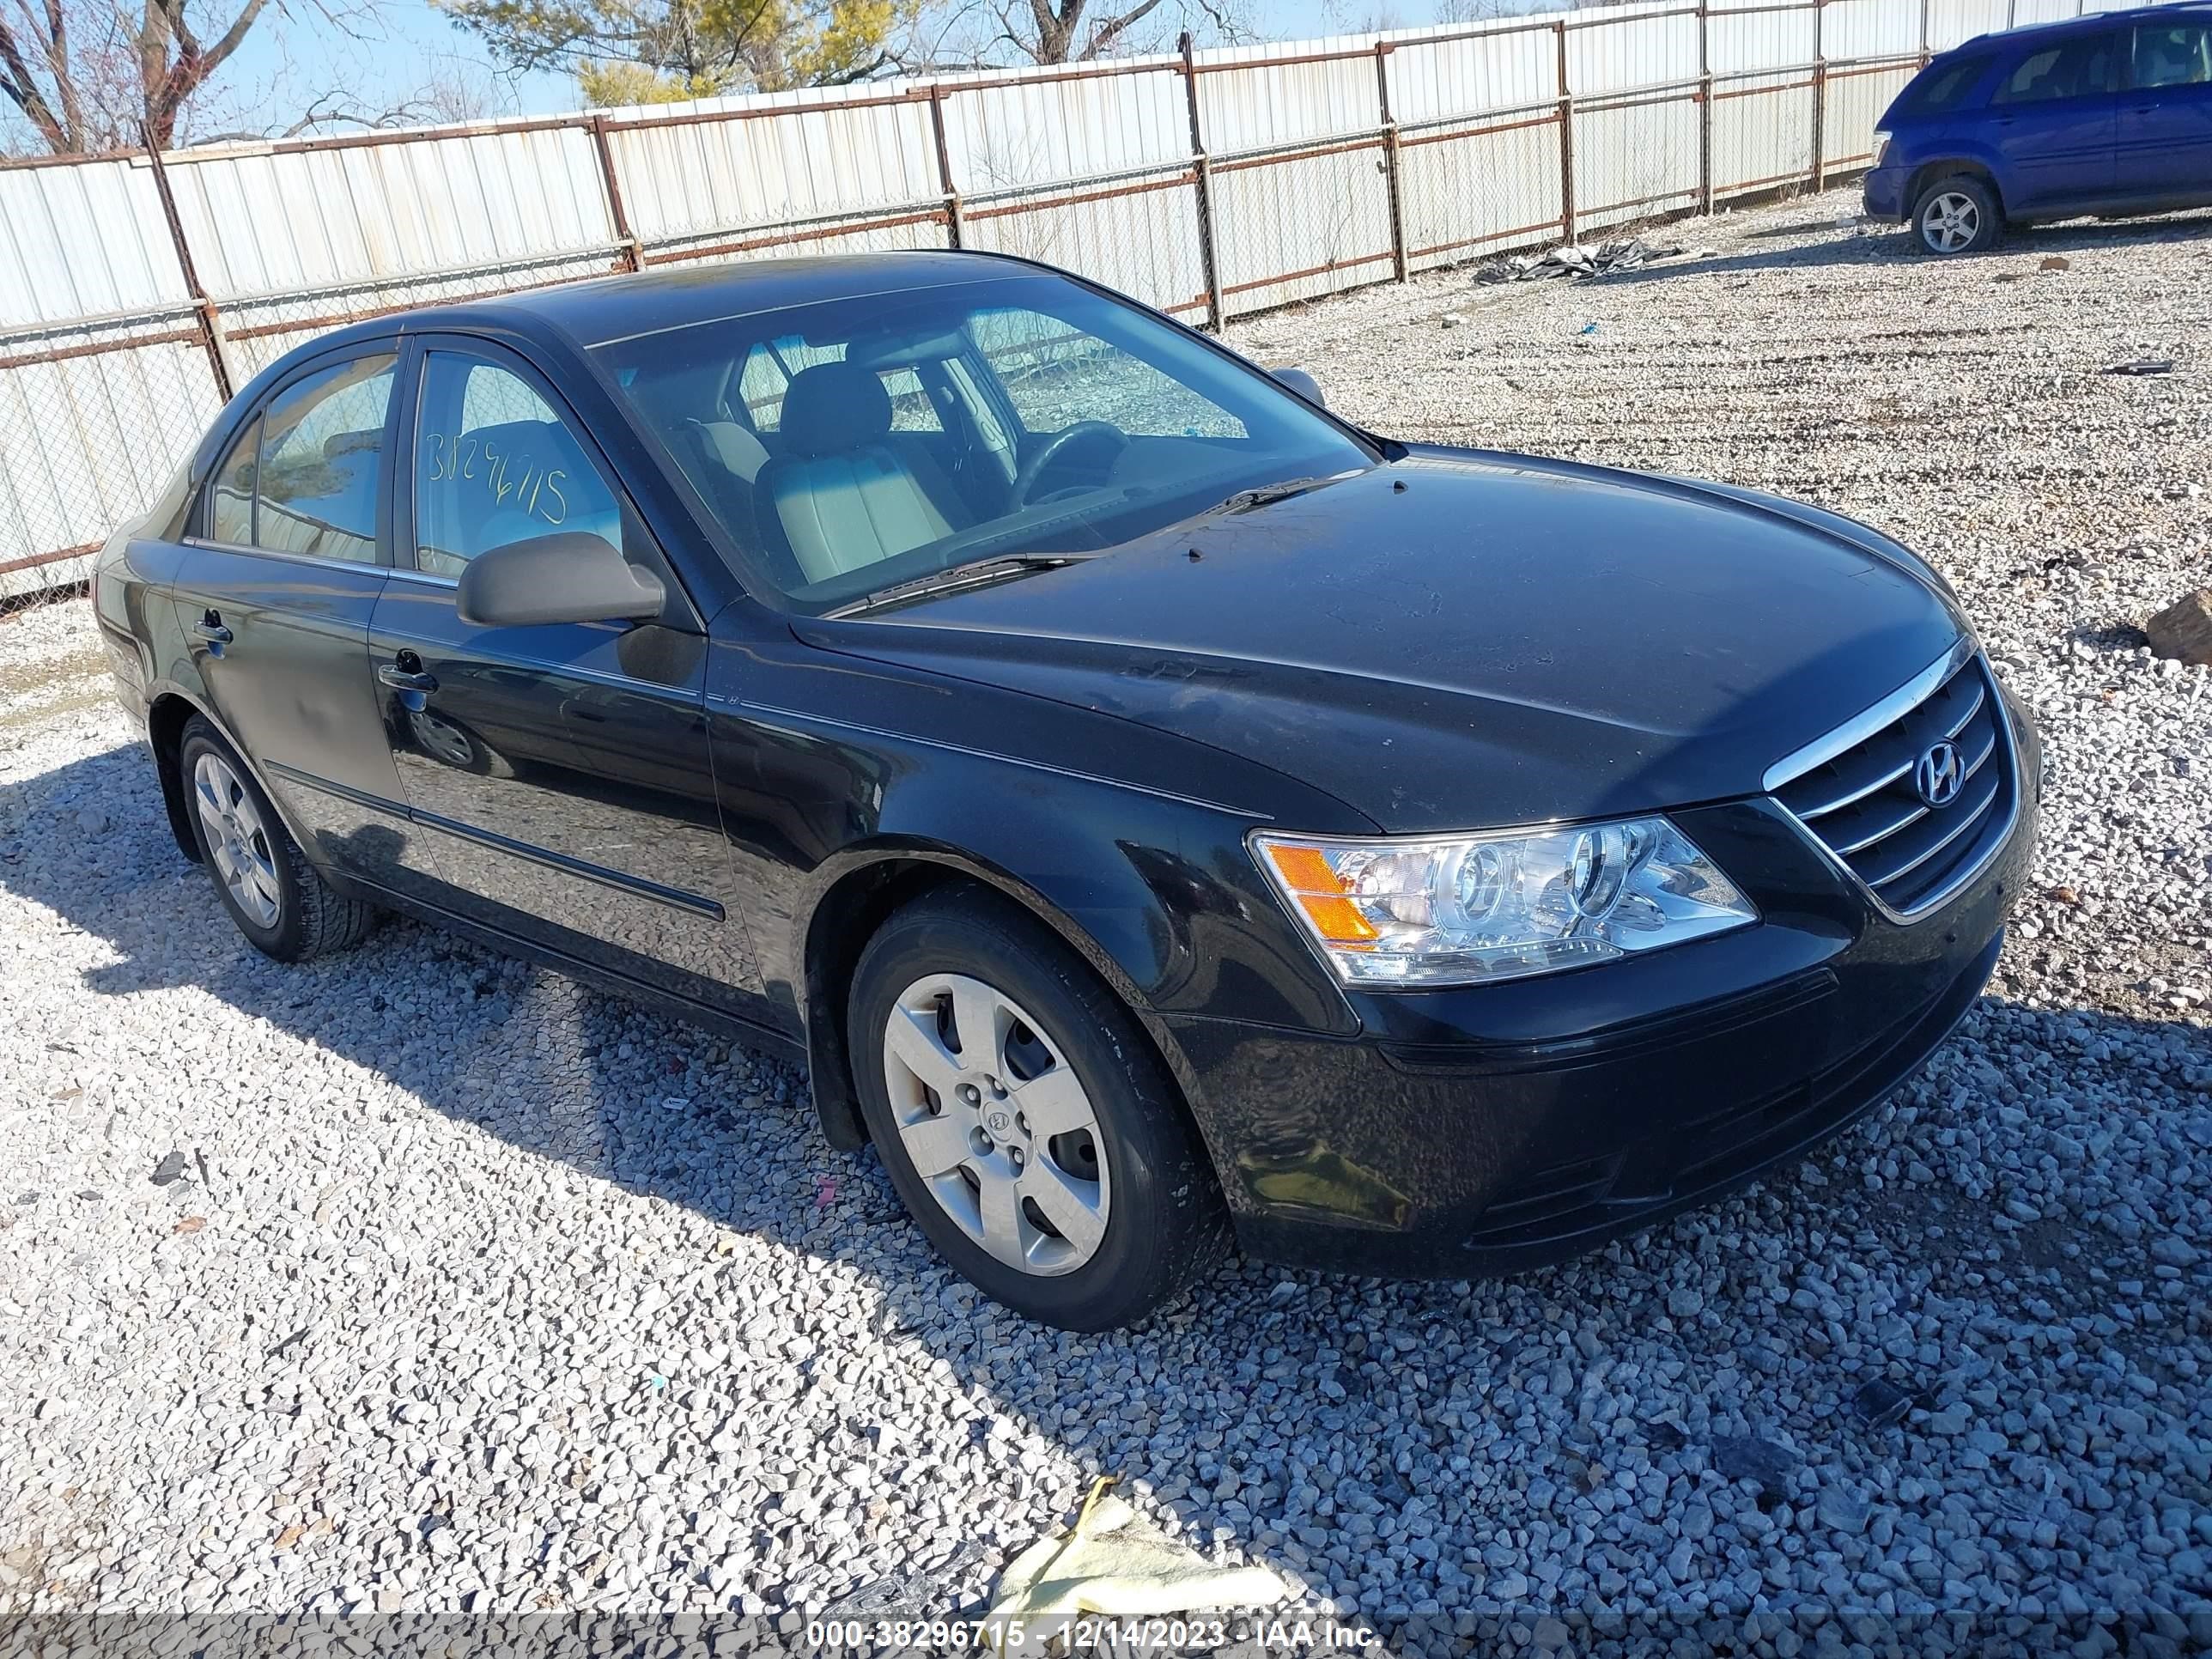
{"x": 1958, "y": 214}
{"x": 279, "y": 901}
{"x": 1025, "y": 1122}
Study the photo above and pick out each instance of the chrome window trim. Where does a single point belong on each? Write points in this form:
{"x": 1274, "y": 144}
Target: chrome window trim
{"x": 313, "y": 560}
{"x": 1855, "y": 732}
{"x": 1889, "y": 708}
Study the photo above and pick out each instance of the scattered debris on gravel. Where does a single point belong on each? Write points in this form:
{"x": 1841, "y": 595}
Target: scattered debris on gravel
{"x": 498, "y": 1295}
{"x": 1603, "y": 260}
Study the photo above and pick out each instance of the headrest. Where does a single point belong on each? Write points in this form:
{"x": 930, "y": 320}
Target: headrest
{"x": 351, "y": 443}
{"x": 833, "y": 407}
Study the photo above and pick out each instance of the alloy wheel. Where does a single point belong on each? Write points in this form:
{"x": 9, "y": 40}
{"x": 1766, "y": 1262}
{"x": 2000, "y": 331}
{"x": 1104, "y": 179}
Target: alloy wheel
{"x": 237, "y": 840}
{"x": 997, "y": 1124}
{"x": 1950, "y": 221}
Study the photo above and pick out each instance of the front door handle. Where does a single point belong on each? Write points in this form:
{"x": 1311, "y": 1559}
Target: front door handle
{"x": 401, "y": 677}
{"x": 209, "y": 628}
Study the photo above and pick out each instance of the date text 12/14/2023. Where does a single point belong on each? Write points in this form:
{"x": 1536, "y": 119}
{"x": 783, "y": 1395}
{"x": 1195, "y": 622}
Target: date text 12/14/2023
{"x": 1084, "y": 1632}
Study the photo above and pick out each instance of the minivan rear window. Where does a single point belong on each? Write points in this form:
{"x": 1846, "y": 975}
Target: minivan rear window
{"x": 1943, "y": 86}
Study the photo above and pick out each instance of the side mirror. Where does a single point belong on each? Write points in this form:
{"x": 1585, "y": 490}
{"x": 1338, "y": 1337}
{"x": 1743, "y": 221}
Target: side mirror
{"x": 1302, "y": 383}
{"x": 567, "y": 577}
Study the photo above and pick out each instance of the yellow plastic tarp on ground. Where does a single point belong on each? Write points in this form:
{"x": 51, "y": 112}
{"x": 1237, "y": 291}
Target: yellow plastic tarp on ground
{"x": 1116, "y": 1564}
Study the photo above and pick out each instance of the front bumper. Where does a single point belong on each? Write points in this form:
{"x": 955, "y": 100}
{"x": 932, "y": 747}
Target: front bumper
{"x": 1490, "y": 1129}
{"x": 1885, "y": 193}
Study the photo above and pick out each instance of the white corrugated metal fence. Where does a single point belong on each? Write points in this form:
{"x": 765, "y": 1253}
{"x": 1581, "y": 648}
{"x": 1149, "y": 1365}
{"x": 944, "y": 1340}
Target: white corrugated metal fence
{"x": 136, "y": 291}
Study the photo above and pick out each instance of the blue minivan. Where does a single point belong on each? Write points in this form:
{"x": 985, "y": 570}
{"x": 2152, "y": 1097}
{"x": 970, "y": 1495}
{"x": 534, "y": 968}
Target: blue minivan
{"x": 2106, "y": 114}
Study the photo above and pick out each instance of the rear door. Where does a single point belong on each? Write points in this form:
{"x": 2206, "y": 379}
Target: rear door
{"x": 283, "y": 564}
{"x": 562, "y": 771}
{"x": 2052, "y": 122}
{"x": 2165, "y": 114}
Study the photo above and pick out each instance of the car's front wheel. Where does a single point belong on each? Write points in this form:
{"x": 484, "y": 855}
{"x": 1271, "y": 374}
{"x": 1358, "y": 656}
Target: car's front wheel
{"x": 1024, "y": 1120}
{"x": 1958, "y": 214}
{"x": 279, "y": 901}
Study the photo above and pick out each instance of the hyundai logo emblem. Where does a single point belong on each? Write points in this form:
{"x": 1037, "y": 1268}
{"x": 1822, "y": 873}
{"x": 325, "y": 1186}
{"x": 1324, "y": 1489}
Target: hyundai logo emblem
{"x": 1941, "y": 774}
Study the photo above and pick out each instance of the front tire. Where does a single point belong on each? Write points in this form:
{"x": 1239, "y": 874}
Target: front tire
{"x": 279, "y": 901}
{"x": 1955, "y": 216}
{"x": 1026, "y": 1122}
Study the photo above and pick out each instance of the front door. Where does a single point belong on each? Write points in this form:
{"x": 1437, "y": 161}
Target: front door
{"x": 562, "y": 771}
{"x": 2165, "y": 114}
{"x": 2052, "y": 121}
{"x": 275, "y": 591}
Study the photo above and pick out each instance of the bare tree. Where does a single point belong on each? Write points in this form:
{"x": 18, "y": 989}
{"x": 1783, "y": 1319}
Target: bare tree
{"x": 971, "y": 33}
{"x": 88, "y": 76}
{"x": 1052, "y": 32}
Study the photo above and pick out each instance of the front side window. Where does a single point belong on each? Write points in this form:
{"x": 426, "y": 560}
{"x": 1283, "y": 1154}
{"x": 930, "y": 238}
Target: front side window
{"x": 2079, "y": 68}
{"x": 494, "y": 464}
{"x": 2173, "y": 55}
{"x": 846, "y": 447}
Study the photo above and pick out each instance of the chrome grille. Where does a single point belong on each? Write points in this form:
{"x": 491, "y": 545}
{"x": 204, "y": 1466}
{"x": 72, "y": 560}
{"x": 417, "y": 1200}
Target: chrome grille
{"x": 1865, "y": 806}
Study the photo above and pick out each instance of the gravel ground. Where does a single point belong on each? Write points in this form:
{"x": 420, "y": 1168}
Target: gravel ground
{"x": 418, "y": 1279}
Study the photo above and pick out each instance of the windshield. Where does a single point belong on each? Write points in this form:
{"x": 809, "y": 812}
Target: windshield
{"x": 850, "y": 446}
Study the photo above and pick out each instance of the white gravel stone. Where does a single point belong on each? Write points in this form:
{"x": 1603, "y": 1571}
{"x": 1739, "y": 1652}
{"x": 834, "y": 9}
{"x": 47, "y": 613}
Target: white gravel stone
{"x": 471, "y": 1288}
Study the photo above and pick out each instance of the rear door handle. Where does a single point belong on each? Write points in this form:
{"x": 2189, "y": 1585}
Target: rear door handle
{"x": 210, "y": 628}
{"x": 402, "y": 679}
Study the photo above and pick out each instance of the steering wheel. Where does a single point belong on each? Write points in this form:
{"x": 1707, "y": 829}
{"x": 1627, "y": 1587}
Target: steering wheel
{"x": 1083, "y": 432}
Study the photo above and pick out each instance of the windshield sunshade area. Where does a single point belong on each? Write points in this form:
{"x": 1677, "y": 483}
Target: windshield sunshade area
{"x": 866, "y": 443}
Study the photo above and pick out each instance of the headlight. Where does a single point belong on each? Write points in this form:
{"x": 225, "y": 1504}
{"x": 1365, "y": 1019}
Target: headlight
{"x": 1467, "y": 909}
{"x": 1880, "y": 147}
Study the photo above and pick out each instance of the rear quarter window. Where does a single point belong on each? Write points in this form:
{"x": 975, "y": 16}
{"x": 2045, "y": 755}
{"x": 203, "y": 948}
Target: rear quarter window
{"x": 1943, "y": 86}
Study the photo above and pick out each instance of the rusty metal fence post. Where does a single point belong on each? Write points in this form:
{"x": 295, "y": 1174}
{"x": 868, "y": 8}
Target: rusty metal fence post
{"x": 617, "y": 214}
{"x": 1820, "y": 102}
{"x": 203, "y": 303}
{"x": 1208, "y": 261}
{"x": 945, "y": 165}
{"x": 1566, "y": 140}
{"x": 1390, "y": 159}
{"x": 1705, "y": 108}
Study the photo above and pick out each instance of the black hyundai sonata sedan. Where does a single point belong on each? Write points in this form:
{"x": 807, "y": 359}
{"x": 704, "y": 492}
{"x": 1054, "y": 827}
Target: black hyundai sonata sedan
{"x": 1158, "y": 812}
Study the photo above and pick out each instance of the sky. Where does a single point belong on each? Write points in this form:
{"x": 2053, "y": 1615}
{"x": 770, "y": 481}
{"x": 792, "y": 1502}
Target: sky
{"x": 415, "y": 47}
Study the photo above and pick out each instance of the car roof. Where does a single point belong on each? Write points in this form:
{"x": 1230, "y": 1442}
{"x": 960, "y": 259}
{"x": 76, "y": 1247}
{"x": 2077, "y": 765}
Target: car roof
{"x": 607, "y": 308}
{"x": 2089, "y": 22}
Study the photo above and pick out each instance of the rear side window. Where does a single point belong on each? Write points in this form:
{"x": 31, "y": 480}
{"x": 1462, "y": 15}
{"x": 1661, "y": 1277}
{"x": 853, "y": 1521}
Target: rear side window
{"x": 305, "y": 476}
{"x": 230, "y": 502}
{"x": 1943, "y": 87}
{"x": 322, "y": 463}
{"x": 2079, "y": 68}
{"x": 2173, "y": 55}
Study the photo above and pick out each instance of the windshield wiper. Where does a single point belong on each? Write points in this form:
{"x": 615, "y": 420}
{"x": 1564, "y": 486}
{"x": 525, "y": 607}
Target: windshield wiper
{"x": 977, "y": 573}
{"x": 1260, "y": 495}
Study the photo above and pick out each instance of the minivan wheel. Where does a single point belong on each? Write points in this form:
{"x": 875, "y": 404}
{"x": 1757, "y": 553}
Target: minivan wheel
{"x": 1957, "y": 215}
{"x": 1027, "y": 1126}
{"x": 279, "y": 901}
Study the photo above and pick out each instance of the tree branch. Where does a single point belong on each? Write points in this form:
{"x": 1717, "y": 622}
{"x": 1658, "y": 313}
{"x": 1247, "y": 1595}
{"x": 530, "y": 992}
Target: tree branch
{"x": 23, "y": 90}
{"x": 1113, "y": 27}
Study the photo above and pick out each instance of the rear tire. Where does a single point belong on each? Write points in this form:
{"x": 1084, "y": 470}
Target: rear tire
{"x": 1955, "y": 216}
{"x": 1045, "y": 1153}
{"x": 279, "y": 901}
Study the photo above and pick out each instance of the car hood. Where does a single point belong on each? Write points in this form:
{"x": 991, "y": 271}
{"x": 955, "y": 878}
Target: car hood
{"x": 1464, "y": 643}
